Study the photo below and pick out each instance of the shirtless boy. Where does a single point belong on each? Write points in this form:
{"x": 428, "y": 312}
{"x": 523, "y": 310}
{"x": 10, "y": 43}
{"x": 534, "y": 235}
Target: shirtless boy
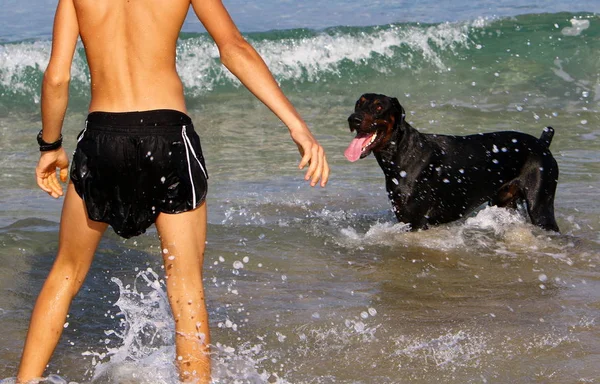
{"x": 130, "y": 47}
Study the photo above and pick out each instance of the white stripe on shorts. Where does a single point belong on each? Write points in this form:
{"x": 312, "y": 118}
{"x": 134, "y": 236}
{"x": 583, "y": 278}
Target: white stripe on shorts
{"x": 188, "y": 147}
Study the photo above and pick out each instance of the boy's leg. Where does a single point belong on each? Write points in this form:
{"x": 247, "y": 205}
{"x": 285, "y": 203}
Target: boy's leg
{"x": 183, "y": 237}
{"x": 78, "y": 240}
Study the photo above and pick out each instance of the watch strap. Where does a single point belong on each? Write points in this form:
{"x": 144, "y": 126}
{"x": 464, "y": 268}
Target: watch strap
{"x": 44, "y": 146}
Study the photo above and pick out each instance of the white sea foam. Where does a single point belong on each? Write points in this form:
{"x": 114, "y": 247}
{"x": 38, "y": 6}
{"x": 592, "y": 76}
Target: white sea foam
{"x": 313, "y": 57}
{"x": 16, "y": 60}
{"x": 577, "y": 26}
{"x": 505, "y": 231}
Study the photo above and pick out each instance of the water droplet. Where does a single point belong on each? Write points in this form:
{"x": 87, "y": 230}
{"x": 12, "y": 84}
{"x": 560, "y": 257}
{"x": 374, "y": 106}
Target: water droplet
{"x": 238, "y": 264}
{"x": 359, "y": 326}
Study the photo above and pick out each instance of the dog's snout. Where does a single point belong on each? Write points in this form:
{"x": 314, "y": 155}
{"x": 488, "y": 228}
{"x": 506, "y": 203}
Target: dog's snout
{"x": 354, "y": 121}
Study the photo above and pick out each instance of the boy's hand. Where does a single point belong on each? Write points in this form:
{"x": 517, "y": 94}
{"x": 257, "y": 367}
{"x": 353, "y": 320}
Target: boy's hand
{"x": 313, "y": 155}
{"x": 45, "y": 172}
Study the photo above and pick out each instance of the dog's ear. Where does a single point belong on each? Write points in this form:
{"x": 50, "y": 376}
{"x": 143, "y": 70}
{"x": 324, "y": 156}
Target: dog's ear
{"x": 400, "y": 113}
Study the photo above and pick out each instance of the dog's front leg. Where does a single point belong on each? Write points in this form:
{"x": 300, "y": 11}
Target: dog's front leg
{"x": 409, "y": 215}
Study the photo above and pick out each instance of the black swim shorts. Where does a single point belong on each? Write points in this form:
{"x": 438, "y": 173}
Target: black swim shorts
{"x": 130, "y": 166}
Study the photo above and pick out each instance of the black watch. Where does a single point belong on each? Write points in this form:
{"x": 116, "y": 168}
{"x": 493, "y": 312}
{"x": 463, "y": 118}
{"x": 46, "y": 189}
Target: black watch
{"x": 48, "y": 146}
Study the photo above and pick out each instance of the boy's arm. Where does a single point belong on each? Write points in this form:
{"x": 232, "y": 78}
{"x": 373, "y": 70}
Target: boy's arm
{"x": 247, "y": 65}
{"x": 55, "y": 97}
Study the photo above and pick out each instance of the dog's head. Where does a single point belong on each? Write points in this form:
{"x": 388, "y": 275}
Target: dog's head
{"x": 374, "y": 119}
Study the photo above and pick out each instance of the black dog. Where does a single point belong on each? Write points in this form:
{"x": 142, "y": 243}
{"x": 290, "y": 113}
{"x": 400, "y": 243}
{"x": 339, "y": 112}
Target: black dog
{"x": 433, "y": 179}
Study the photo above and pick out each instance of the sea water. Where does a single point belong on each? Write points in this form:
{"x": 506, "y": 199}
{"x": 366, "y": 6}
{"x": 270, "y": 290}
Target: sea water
{"x": 311, "y": 285}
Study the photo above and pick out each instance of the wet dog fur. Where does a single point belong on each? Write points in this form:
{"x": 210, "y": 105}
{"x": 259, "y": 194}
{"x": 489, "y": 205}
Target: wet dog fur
{"x": 433, "y": 179}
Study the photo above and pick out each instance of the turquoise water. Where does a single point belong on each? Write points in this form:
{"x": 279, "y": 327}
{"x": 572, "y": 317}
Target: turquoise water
{"x": 322, "y": 285}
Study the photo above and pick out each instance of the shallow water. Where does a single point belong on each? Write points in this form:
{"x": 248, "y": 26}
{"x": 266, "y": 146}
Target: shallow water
{"x": 311, "y": 285}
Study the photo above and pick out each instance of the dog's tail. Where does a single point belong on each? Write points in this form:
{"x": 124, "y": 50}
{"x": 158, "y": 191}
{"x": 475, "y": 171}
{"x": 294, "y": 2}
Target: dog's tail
{"x": 547, "y": 136}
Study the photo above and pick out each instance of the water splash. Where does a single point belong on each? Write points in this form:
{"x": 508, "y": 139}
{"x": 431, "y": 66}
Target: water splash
{"x": 499, "y": 230}
{"x": 51, "y": 379}
{"x": 144, "y": 338}
{"x": 453, "y": 349}
{"x": 141, "y": 349}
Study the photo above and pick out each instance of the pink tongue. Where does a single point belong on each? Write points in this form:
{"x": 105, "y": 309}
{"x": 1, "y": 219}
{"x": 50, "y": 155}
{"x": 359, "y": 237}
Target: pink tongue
{"x": 354, "y": 150}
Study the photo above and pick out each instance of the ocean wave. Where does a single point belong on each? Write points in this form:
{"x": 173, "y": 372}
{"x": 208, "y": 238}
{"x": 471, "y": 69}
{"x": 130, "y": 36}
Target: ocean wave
{"x": 307, "y": 56}
{"x": 345, "y": 54}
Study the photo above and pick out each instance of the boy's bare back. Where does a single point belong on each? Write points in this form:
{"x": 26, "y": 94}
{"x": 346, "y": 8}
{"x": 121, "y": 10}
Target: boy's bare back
{"x": 130, "y": 47}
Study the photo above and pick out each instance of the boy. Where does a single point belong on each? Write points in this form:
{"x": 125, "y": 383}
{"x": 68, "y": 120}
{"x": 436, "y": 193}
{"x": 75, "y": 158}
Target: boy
{"x": 137, "y": 108}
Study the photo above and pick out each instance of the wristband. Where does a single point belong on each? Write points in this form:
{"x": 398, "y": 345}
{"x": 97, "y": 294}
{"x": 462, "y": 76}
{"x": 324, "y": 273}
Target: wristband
{"x": 44, "y": 147}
